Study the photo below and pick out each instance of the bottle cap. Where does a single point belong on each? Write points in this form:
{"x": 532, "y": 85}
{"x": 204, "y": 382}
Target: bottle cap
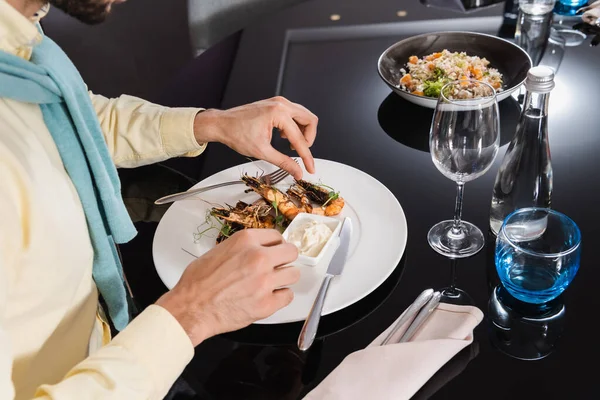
{"x": 540, "y": 79}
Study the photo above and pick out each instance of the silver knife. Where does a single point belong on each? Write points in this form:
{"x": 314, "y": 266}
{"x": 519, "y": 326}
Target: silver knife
{"x": 421, "y": 317}
{"x": 335, "y": 268}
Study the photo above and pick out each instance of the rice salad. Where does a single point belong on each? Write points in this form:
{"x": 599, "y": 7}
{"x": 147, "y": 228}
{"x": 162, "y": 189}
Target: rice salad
{"x": 426, "y": 76}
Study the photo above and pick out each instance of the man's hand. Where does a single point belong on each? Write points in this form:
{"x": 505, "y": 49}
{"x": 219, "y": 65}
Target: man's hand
{"x": 238, "y": 282}
{"x": 248, "y": 130}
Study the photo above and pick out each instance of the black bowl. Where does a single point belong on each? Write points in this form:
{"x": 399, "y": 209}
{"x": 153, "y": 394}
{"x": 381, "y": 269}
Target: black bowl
{"x": 508, "y": 58}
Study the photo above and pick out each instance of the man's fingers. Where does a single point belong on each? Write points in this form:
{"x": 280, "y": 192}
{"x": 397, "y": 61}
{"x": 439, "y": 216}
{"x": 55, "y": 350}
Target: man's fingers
{"x": 282, "y": 297}
{"x": 303, "y": 117}
{"x": 284, "y": 162}
{"x": 310, "y": 132}
{"x": 283, "y": 254}
{"x": 296, "y": 138}
{"x": 308, "y": 122}
{"x": 285, "y": 276}
{"x": 265, "y": 237}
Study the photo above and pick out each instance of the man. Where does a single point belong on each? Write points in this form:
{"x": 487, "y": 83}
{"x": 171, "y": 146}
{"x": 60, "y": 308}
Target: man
{"x": 54, "y": 339}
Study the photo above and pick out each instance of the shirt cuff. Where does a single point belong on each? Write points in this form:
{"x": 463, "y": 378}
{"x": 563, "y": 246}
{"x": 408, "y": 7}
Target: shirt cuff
{"x": 177, "y": 132}
{"x": 158, "y": 341}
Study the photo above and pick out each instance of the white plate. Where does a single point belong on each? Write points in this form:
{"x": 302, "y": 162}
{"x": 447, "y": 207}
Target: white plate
{"x": 377, "y": 245}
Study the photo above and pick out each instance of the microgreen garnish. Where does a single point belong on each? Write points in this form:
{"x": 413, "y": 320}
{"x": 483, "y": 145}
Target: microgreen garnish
{"x": 199, "y": 234}
{"x": 274, "y": 202}
{"x": 226, "y": 230}
{"x": 279, "y": 219}
{"x": 208, "y": 225}
{"x": 332, "y": 196}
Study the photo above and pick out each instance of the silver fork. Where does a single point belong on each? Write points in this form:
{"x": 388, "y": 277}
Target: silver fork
{"x": 268, "y": 179}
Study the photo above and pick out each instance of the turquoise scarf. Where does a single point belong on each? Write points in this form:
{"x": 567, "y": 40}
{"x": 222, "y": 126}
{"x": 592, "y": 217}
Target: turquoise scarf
{"x": 52, "y": 81}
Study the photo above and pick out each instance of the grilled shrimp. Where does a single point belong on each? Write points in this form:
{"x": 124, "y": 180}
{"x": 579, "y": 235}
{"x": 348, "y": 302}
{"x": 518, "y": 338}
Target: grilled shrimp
{"x": 330, "y": 202}
{"x": 335, "y": 207}
{"x": 243, "y": 216}
{"x": 297, "y": 192}
{"x": 246, "y": 215}
{"x": 259, "y": 207}
{"x": 314, "y": 192}
{"x": 274, "y": 196}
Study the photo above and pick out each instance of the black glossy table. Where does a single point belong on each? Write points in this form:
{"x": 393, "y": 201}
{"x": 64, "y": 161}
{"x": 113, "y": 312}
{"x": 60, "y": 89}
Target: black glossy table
{"x": 330, "y": 67}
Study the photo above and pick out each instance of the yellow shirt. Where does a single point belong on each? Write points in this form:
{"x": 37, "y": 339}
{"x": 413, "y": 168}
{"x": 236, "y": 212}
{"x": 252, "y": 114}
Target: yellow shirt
{"x": 53, "y": 344}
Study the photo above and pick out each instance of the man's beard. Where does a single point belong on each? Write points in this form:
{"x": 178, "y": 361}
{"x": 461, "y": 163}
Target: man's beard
{"x": 87, "y": 11}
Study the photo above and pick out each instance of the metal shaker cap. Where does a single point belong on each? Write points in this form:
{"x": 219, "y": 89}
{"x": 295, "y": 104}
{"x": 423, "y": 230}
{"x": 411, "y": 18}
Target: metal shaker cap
{"x": 540, "y": 79}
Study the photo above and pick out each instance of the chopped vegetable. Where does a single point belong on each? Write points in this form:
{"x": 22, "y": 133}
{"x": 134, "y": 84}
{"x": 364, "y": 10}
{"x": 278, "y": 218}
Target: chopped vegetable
{"x": 427, "y": 75}
{"x": 433, "y": 88}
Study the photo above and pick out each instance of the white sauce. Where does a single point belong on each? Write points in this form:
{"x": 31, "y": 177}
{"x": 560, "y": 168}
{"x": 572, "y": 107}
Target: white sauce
{"x": 310, "y": 237}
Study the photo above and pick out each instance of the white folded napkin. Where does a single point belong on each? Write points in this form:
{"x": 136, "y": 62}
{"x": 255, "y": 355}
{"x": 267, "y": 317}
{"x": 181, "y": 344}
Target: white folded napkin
{"x": 397, "y": 370}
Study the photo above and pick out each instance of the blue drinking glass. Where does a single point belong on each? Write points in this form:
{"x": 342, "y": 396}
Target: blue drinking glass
{"x": 569, "y": 7}
{"x": 537, "y": 254}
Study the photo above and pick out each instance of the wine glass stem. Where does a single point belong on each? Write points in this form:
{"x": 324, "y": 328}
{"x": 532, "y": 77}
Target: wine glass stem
{"x": 453, "y": 263}
{"x": 456, "y": 226}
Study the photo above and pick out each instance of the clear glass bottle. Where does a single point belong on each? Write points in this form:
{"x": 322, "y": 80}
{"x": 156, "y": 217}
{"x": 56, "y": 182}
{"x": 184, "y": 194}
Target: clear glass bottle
{"x": 525, "y": 175}
{"x": 533, "y": 27}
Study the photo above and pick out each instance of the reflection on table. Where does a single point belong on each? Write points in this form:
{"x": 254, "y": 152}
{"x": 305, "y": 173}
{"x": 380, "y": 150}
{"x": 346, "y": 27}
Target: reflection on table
{"x": 522, "y": 331}
{"x": 409, "y": 124}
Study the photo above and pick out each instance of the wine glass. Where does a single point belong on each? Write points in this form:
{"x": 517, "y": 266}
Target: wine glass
{"x": 463, "y": 141}
{"x": 452, "y": 294}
